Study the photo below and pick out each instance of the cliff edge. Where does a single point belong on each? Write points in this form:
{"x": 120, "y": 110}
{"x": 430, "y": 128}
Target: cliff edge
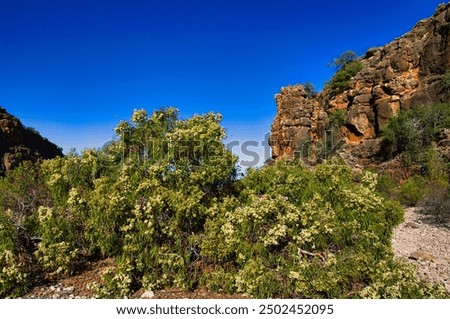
{"x": 410, "y": 71}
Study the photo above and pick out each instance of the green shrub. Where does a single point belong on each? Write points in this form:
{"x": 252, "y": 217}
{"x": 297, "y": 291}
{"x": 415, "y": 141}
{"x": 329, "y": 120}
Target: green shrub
{"x": 64, "y": 225}
{"x": 58, "y": 259}
{"x": 13, "y": 275}
{"x": 57, "y": 253}
{"x": 337, "y": 118}
{"x": 21, "y": 192}
{"x": 436, "y": 204}
{"x": 13, "y": 278}
{"x": 446, "y": 81}
{"x": 434, "y": 166}
{"x": 341, "y": 79}
{"x": 143, "y": 200}
{"x": 332, "y": 141}
{"x": 298, "y": 233}
{"x": 430, "y": 190}
{"x": 386, "y": 185}
{"x": 116, "y": 282}
{"x": 412, "y": 132}
{"x": 397, "y": 279}
{"x": 413, "y": 190}
{"x": 164, "y": 203}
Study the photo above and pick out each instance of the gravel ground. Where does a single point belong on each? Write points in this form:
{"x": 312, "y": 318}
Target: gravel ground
{"x": 425, "y": 243}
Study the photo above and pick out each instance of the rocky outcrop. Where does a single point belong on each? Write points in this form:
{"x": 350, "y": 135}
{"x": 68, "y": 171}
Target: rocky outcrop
{"x": 18, "y": 143}
{"x": 299, "y": 119}
{"x": 408, "y": 72}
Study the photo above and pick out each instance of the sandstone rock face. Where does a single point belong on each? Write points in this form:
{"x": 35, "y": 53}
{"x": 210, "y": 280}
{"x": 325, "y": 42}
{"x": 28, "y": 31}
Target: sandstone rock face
{"x": 299, "y": 118}
{"x": 406, "y": 73}
{"x": 18, "y": 143}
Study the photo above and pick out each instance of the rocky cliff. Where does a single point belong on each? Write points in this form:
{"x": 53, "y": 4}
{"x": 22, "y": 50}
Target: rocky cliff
{"x": 18, "y": 143}
{"x": 409, "y": 71}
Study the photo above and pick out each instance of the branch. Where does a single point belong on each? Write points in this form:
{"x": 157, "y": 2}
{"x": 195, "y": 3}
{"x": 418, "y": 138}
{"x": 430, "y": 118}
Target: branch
{"x": 304, "y": 252}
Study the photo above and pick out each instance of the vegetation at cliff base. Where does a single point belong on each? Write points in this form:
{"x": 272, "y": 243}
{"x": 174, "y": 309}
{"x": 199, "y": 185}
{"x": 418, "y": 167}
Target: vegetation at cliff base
{"x": 164, "y": 202}
{"x": 413, "y": 137}
{"x": 414, "y": 131}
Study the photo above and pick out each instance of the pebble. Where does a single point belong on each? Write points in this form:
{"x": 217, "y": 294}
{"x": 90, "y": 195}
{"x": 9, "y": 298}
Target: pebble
{"x": 421, "y": 255}
{"x": 148, "y": 295}
{"x": 412, "y": 225}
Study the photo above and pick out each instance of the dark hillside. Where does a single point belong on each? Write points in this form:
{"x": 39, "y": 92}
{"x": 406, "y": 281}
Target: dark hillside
{"x": 19, "y": 143}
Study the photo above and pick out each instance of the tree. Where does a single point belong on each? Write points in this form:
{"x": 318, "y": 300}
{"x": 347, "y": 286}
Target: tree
{"x": 345, "y": 58}
{"x": 310, "y": 89}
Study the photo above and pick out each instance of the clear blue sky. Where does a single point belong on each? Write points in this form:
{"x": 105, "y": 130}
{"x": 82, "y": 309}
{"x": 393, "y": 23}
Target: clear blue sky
{"x": 74, "y": 69}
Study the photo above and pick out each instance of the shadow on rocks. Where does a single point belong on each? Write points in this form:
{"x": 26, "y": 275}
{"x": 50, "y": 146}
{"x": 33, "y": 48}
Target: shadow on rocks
{"x": 435, "y": 210}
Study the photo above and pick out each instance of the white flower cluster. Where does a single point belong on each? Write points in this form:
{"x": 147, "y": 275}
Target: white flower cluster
{"x": 54, "y": 179}
{"x": 116, "y": 282}
{"x": 74, "y": 198}
{"x": 275, "y": 234}
{"x": 369, "y": 180}
{"x": 139, "y": 116}
{"x": 45, "y": 214}
{"x": 10, "y": 272}
{"x": 57, "y": 258}
{"x": 362, "y": 199}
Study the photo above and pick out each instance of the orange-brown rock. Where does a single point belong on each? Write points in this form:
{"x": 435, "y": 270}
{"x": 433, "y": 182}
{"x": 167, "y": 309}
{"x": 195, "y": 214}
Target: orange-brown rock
{"x": 299, "y": 118}
{"x": 403, "y": 74}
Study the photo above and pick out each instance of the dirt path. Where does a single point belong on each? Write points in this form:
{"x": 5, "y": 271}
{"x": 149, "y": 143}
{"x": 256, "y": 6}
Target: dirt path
{"x": 77, "y": 287}
{"x": 425, "y": 243}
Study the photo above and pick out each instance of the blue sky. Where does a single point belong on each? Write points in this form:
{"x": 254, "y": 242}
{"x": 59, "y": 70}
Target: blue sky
{"x": 74, "y": 69}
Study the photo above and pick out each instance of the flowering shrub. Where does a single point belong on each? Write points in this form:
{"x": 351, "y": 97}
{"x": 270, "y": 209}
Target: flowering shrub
{"x": 13, "y": 279}
{"x": 21, "y": 192}
{"x": 58, "y": 259}
{"x": 116, "y": 282}
{"x": 143, "y": 200}
{"x": 13, "y": 276}
{"x": 298, "y": 233}
{"x": 398, "y": 280}
{"x": 163, "y": 201}
{"x": 57, "y": 253}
